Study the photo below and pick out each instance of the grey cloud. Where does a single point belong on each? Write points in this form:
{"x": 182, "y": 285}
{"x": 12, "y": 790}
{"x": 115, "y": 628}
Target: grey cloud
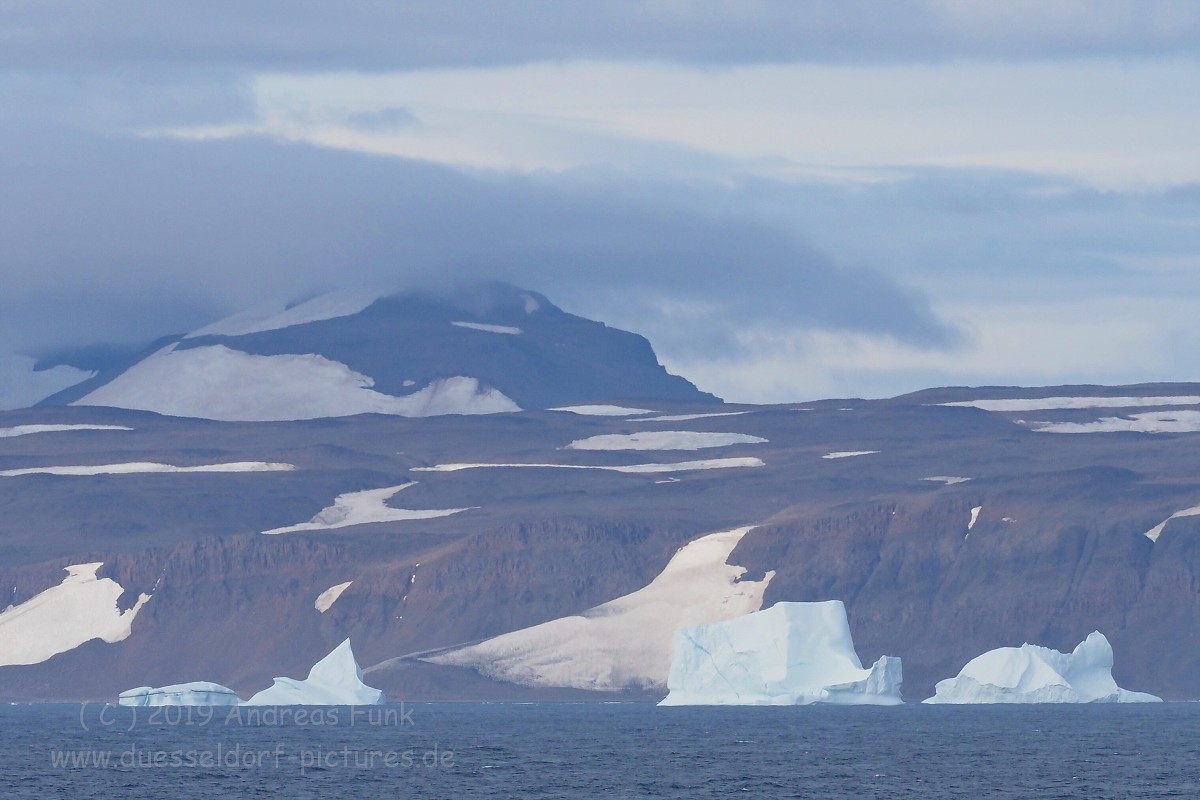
{"x": 318, "y": 35}
{"x": 102, "y": 233}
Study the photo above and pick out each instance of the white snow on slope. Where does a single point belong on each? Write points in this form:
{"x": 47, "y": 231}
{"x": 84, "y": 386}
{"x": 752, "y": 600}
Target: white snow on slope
{"x": 271, "y": 318}
{"x": 1157, "y": 530}
{"x": 327, "y": 598}
{"x": 81, "y": 608}
{"x": 21, "y": 385}
{"x": 1145, "y": 422}
{"x": 1033, "y": 674}
{"x": 788, "y": 654}
{"x": 483, "y": 326}
{"x": 627, "y": 642}
{"x": 335, "y": 680}
{"x": 974, "y": 517}
{"x": 139, "y": 467}
{"x": 1056, "y": 403}
{"x": 662, "y": 440}
{"x": 681, "y": 466}
{"x": 363, "y": 508}
{"x": 686, "y": 417}
{"x": 603, "y": 410}
{"x": 25, "y": 430}
{"x": 216, "y": 382}
{"x": 949, "y": 480}
{"x": 849, "y": 453}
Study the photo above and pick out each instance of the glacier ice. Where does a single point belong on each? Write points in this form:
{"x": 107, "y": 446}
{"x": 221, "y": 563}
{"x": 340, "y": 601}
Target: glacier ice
{"x": 196, "y": 693}
{"x": 335, "y": 680}
{"x": 1033, "y": 674}
{"x": 788, "y": 654}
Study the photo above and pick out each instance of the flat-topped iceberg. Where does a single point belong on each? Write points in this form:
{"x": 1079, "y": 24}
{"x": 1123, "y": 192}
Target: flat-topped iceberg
{"x": 1033, "y": 674}
{"x": 196, "y": 693}
{"x": 788, "y": 654}
{"x": 335, "y": 680}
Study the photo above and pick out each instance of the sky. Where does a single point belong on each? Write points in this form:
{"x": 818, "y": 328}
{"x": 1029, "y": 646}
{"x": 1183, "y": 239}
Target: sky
{"x": 791, "y": 200}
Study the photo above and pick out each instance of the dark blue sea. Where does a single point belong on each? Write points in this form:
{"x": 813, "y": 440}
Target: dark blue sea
{"x": 588, "y": 750}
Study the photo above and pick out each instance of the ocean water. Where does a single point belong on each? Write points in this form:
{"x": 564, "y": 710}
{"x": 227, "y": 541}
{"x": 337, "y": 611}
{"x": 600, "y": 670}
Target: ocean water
{"x": 592, "y": 750}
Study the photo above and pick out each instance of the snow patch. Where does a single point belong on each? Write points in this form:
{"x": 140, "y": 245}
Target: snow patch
{"x": 789, "y": 654}
{"x": 81, "y": 608}
{"x": 681, "y": 466}
{"x": 949, "y": 480}
{"x": 1157, "y": 530}
{"x": 624, "y": 643}
{"x": 974, "y": 517}
{"x": 1033, "y": 674}
{"x": 482, "y": 326}
{"x": 25, "y": 430}
{"x": 363, "y": 508}
{"x": 1145, "y": 422}
{"x": 21, "y": 385}
{"x": 216, "y": 382}
{"x": 138, "y": 467}
{"x": 531, "y": 303}
{"x": 603, "y": 410}
{"x": 686, "y": 417}
{"x": 1058, "y": 403}
{"x": 327, "y": 598}
{"x": 662, "y": 440}
{"x": 271, "y": 318}
{"x": 850, "y": 453}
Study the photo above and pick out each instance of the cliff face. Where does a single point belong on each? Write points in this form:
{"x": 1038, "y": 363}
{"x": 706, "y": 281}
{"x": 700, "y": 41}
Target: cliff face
{"x": 946, "y": 532}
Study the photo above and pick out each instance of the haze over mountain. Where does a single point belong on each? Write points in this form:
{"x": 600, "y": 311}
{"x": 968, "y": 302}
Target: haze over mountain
{"x": 551, "y": 551}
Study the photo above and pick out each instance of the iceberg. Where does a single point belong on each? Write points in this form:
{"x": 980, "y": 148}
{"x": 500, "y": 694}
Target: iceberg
{"x": 196, "y": 693}
{"x": 335, "y": 680}
{"x": 1033, "y": 674}
{"x": 788, "y": 654}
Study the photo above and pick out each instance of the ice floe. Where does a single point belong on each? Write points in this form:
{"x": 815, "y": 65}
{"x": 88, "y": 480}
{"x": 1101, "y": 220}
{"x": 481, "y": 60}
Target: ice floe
{"x": 327, "y": 598}
{"x": 949, "y": 480}
{"x": 681, "y": 466}
{"x": 81, "y": 608}
{"x": 195, "y": 693}
{"x": 1060, "y": 403}
{"x": 603, "y": 410}
{"x": 663, "y": 440}
{"x": 849, "y": 453}
{"x": 1183, "y": 421}
{"x": 1033, "y": 674}
{"x": 25, "y": 430}
{"x": 139, "y": 467}
{"x": 216, "y": 382}
{"x": 788, "y": 654}
{"x": 1157, "y": 530}
{"x": 363, "y": 508}
{"x": 627, "y": 642}
{"x": 483, "y": 326}
{"x": 686, "y": 417}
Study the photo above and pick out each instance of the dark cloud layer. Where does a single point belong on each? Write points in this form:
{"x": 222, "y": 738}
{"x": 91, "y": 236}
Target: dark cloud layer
{"x": 109, "y": 237}
{"x": 361, "y": 34}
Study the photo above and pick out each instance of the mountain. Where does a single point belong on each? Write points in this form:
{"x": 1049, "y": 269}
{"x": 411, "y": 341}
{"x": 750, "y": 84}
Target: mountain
{"x": 490, "y": 348}
{"x": 548, "y": 554}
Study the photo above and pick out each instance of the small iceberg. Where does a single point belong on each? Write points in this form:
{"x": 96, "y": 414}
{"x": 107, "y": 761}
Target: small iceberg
{"x": 788, "y": 654}
{"x": 196, "y": 693}
{"x": 335, "y": 680}
{"x": 1033, "y": 674}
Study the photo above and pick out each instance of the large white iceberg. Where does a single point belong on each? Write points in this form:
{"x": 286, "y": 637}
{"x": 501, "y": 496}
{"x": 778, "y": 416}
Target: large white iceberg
{"x": 196, "y": 693}
{"x": 1033, "y": 674}
{"x": 335, "y": 680}
{"x": 788, "y": 654}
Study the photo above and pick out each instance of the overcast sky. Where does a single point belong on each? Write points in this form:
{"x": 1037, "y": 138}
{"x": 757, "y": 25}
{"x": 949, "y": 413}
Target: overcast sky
{"x": 790, "y": 199}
